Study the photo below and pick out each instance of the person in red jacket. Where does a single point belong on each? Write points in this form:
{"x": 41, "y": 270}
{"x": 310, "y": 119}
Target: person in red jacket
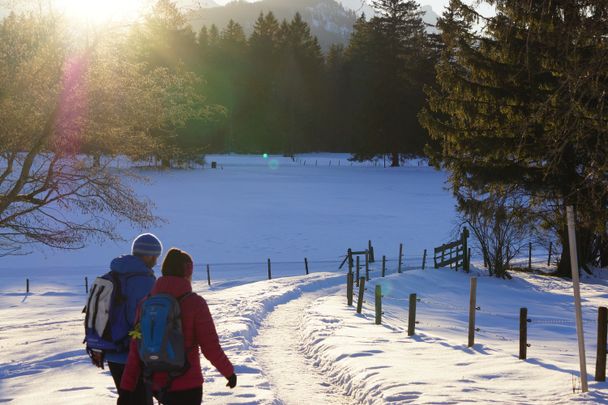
{"x": 199, "y": 332}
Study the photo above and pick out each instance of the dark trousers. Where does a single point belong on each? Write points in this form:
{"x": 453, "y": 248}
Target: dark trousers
{"x": 139, "y": 396}
{"x": 193, "y": 396}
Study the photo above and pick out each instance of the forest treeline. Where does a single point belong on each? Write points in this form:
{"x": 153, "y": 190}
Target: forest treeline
{"x": 277, "y": 92}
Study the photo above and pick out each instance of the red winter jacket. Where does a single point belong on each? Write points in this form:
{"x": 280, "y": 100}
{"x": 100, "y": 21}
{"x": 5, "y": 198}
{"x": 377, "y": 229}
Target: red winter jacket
{"x": 199, "y": 331}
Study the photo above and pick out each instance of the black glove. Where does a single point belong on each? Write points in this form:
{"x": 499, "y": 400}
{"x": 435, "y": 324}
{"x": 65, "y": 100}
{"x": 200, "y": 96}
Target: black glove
{"x": 231, "y": 381}
{"x": 97, "y": 357}
{"x": 124, "y": 397}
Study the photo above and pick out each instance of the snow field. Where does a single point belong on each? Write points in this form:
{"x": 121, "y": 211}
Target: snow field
{"x": 253, "y": 208}
{"x": 378, "y": 364}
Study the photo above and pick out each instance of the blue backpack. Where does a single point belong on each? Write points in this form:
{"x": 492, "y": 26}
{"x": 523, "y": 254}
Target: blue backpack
{"x": 161, "y": 345}
{"x": 106, "y": 322}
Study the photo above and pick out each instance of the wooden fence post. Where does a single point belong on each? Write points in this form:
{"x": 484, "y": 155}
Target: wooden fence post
{"x": 424, "y": 260}
{"x": 600, "y": 362}
{"x": 358, "y": 269}
{"x": 306, "y": 265}
{"x": 523, "y": 333}
{"x": 349, "y": 288}
{"x": 86, "y": 285}
{"x": 400, "y": 257}
{"x": 208, "y": 275}
{"x": 411, "y": 319}
{"x": 367, "y": 265}
{"x": 269, "y": 271}
{"x": 360, "y": 297}
{"x": 370, "y": 248}
{"x": 350, "y": 260}
{"x": 27, "y": 285}
{"x": 383, "y": 265}
{"x": 550, "y": 252}
{"x": 472, "y": 309}
{"x": 378, "y": 304}
{"x": 469, "y": 260}
{"x": 465, "y": 250}
{"x": 529, "y": 255}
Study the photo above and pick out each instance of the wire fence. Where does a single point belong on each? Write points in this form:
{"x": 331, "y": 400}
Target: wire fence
{"x": 503, "y": 326}
{"x": 78, "y": 280}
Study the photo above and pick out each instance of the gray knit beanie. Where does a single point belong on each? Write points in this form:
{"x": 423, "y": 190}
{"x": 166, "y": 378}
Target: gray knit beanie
{"x": 147, "y": 245}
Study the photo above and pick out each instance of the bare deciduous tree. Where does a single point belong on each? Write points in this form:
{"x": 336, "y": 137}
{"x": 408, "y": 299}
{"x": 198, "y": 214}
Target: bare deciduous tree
{"x": 61, "y": 97}
{"x": 500, "y": 222}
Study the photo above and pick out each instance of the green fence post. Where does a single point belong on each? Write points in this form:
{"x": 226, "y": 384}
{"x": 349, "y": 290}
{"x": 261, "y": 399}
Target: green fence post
{"x": 378, "y": 304}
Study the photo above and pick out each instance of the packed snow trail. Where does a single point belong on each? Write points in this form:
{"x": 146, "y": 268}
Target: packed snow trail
{"x": 293, "y": 377}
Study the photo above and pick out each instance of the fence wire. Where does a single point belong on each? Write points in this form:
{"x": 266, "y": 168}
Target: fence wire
{"x": 483, "y": 325}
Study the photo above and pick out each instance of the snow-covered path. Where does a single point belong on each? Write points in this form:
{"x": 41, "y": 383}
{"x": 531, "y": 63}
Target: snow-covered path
{"x": 278, "y": 348}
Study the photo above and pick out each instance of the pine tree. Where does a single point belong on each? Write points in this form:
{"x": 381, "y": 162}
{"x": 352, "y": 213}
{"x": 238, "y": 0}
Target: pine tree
{"x": 522, "y": 104}
{"x": 337, "y": 130}
{"x": 232, "y": 65}
{"x": 214, "y": 36}
{"x": 298, "y": 86}
{"x": 389, "y": 56}
{"x": 261, "y": 83}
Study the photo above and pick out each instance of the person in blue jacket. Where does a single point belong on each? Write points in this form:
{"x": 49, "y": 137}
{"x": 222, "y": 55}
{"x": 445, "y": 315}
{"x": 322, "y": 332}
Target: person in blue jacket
{"x": 137, "y": 278}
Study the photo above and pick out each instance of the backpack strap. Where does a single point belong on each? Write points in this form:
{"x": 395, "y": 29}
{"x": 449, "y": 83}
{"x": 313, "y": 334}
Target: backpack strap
{"x": 88, "y": 306}
{"x": 184, "y": 296}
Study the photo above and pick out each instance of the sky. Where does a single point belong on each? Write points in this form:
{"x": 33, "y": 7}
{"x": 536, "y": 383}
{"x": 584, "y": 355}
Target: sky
{"x": 437, "y": 5}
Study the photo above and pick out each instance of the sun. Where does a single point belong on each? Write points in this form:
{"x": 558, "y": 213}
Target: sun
{"x": 100, "y": 11}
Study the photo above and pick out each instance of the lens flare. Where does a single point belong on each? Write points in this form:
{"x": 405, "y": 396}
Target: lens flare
{"x": 273, "y": 164}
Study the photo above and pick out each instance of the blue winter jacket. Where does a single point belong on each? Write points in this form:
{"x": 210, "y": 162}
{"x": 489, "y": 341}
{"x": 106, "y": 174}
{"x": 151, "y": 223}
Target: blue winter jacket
{"x": 138, "y": 285}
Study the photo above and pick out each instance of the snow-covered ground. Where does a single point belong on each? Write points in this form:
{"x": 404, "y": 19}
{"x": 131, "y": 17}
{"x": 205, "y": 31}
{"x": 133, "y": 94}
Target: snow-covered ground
{"x": 293, "y": 339}
{"x": 253, "y": 208}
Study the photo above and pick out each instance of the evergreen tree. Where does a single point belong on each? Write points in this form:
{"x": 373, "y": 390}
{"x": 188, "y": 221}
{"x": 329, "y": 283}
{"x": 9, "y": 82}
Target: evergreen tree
{"x": 214, "y": 36}
{"x": 261, "y": 125}
{"x": 338, "y": 130}
{"x": 203, "y": 40}
{"x": 521, "y": 103}
{"x": 232, "y": 66}
{"x": 390, "y": 55}
{"x": 300, "y": 72}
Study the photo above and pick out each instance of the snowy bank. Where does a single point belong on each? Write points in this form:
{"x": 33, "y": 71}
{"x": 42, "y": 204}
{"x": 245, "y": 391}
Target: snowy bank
{"x": 378, "y": 364}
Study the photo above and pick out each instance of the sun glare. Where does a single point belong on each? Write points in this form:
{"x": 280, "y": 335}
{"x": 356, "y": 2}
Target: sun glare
{"x": 100, "y": 11}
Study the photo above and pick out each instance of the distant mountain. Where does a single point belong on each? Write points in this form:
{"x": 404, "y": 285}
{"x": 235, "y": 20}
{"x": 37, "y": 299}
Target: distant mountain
{"x": 430, "y": 17}
{"x": 195, "y": 4}
{"x": 358, "y": 6}
{"x": 330, "y": 21}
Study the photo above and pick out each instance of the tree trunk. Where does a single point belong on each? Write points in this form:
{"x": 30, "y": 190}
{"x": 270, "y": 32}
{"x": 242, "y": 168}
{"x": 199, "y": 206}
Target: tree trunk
{"x": 395, "y": 159}
{"x": 584, "y": 246}
{"x": 603, "y": 251}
